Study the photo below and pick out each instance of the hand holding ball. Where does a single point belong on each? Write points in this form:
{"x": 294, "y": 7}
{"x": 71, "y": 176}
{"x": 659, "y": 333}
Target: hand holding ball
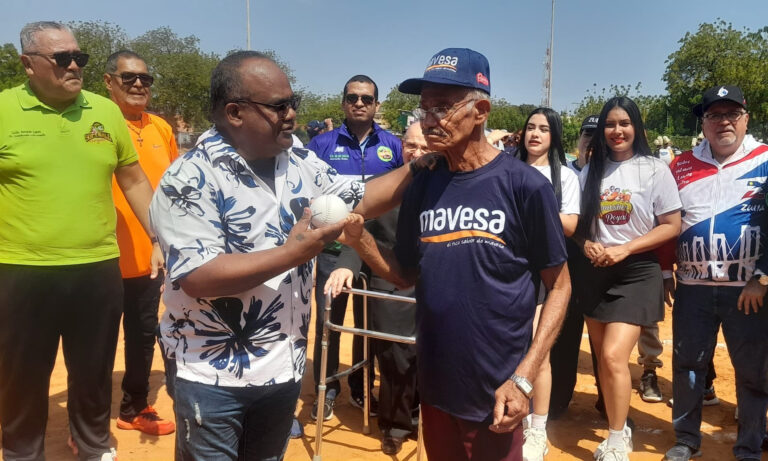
{"x": 327, "y": 210}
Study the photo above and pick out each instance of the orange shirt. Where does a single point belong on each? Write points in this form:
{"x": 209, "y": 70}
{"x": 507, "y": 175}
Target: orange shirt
{"x": 154, "y": 141}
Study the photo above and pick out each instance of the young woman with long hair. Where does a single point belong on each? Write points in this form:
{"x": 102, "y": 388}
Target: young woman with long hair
{"x": 629, "y": 206}
{"x": 541, "y": 147}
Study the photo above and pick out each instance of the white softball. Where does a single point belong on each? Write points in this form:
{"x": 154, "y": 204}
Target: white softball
{"x": 327, "y": 210}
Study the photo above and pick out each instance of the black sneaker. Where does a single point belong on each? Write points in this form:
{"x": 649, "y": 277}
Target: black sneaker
{"x": 681, "y": 452}
{"x": 327, "y": 409}
{"x": 649, "y": 387}
{"x": 357, "y": 402}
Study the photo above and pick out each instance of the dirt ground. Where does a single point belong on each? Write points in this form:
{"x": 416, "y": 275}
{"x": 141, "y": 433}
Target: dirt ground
{"x": 572, "y": 437}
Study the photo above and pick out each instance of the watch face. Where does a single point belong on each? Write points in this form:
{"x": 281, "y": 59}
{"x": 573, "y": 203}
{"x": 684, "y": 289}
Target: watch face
{"x": 763, "y": 280}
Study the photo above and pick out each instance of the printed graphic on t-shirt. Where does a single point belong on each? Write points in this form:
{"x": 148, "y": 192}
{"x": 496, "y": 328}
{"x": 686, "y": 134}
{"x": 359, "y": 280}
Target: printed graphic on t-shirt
{"x": 615, "y": 206}
{"x": 462, "y": 225}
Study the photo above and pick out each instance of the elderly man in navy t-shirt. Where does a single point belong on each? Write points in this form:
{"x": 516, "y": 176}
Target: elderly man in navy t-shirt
{"x": 476, "y": 234}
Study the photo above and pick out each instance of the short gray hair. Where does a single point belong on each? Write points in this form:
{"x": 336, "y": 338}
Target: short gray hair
{"x": 28, "y": 32}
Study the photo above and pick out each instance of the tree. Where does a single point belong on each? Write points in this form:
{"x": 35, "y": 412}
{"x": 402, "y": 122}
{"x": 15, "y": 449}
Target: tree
{"x": 182, "y": 75}
{"x": 99, "y": 40}
{"x": 394, "y": 104}
{"x": 506, "y": 116}
{"x": 11, "y": 70}
{"x": 718, "y": 54}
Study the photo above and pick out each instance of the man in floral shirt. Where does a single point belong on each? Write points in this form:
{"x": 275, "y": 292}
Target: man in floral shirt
{"x": 231, "y": 216}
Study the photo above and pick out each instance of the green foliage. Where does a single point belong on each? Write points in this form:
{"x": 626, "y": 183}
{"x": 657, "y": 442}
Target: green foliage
{"x": 11, "y": 70}
{"x": 506, "y": 116}
{"x": 98, "y": 39}
{"x": 718, "y": 54}
{"x": 395, "y": 103}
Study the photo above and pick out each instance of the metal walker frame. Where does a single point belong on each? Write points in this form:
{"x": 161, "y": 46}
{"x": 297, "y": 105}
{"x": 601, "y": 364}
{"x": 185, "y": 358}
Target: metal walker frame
{"x": 366, "y": 334}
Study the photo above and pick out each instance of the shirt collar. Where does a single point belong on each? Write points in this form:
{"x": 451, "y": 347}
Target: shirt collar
{"x": 704, "y": 150}
{"x": 29, "y": 100}
{"x": 215, "y": 147}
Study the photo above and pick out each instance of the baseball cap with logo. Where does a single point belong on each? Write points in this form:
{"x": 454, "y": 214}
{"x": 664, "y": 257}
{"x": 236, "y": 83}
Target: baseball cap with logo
{"x": 453, "y": 66}
{"x": 590, "y": 123}
{"x": 717, "y": 94}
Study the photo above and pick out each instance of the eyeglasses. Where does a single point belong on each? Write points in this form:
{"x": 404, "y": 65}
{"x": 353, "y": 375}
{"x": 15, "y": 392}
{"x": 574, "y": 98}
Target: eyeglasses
{"x": 129, "y": 78}
{"x": 351, "y": 98}
{"x": 64, "y": 58}
{"x": 716, "y": 117}
{"x": 281, "y": 108}
{"x": 439, "y": 113}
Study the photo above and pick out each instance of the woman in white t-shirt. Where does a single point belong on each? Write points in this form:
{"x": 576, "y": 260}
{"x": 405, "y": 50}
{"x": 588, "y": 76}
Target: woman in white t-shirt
{"x": 542, "y": 148}
{"x": 629, "y": 206}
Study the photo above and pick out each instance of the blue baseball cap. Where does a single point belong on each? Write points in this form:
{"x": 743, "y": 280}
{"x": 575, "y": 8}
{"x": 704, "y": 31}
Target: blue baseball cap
{"x": 453, "y": 66}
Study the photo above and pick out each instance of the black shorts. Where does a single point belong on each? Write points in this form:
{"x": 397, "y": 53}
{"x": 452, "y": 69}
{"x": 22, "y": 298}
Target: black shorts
{"x": 631, "y": 291}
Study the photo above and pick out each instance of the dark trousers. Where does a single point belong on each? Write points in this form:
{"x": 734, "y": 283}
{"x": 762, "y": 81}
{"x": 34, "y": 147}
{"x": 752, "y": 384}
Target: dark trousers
{"x": 697, "y": 315}
{"x": 81, "y": 305}
{"x": 141, "y": 297}
{"x": 564, "y": 360}
{"x": 233, "y": 423}
{"x": 448, "y": 438}
{"x": 398, "y": 399}
{"x": 326, "y": 263}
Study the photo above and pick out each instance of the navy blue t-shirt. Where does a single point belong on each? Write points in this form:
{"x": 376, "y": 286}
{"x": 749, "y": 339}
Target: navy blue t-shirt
{"x": 478, "y": 240}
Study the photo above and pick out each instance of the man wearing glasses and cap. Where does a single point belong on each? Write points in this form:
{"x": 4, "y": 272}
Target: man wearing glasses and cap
{"x": 721, "y": 272}
{"x": 358, "y": 149}
{"x": 128, "y": 83}
{"x": 59, "y": 273}
{"x": 475, "y": 235}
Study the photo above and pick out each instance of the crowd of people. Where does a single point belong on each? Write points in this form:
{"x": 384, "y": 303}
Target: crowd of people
{"x": 508, "y": 249}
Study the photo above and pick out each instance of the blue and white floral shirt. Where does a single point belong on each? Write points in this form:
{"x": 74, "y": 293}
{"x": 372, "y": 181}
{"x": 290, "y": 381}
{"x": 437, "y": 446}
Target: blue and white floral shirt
{"x": 210, "y": 202}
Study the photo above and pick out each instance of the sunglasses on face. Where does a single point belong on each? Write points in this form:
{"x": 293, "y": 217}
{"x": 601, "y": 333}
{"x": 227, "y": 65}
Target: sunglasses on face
{"x": 352, "y": 98}
{"x": 281, "y": 108}
{"x": 129, "y": 78}
{"x": 64, "y": 58}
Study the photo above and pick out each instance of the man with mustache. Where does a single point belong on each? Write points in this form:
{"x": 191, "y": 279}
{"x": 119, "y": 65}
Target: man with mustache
{"x": 59, "y": 273}
{"x": 232, "y": 218}
{"x": 128, "y": 82}
{"x": 475, "y": 234}
{"x": 358, "y": 149}
{"x": 722, "y": 272}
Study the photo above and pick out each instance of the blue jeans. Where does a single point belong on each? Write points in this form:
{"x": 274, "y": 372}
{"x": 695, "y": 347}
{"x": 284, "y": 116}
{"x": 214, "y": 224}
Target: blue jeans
{"x": 233, "y": 423}
{"x": 697, "y": 315}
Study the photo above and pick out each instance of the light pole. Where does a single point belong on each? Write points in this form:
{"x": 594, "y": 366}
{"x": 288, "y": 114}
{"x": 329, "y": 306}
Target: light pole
{"x": 550, "y": 54}
{"x": 248, "y": 24}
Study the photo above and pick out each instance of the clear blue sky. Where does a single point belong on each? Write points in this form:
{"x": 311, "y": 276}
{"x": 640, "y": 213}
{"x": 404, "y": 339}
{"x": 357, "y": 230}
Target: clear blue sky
{"x": 325, "y": 42}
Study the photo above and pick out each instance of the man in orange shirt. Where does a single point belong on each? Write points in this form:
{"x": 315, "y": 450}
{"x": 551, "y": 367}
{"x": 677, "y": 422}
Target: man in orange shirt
{"x": 128, "y": 82}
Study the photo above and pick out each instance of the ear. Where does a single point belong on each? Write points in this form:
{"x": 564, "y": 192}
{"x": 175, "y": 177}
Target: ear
{"x": 108, "y": 82}
{"x": 378, "y": 105}
{"x": 233, "y": 114}
{"x": 483, "y": 108}
{"x": 27, "y": 63}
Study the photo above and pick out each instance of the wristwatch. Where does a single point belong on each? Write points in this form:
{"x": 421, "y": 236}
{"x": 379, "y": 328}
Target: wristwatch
{"x": 762, "y": 279}
{"x": 523, "y": 384}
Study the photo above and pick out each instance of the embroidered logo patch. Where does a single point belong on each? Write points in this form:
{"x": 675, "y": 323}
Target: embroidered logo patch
{"x": 384, "y": 153}
{"x": 722, "y": 91}
{"x": 97, "y": 134}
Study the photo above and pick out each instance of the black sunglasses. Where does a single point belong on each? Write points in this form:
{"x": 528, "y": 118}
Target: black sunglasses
{"x": 281, "y": 108}
{"x": 65, "y": 57}
{"x": 351, "y": 98}
{"x": 129, "y": 78}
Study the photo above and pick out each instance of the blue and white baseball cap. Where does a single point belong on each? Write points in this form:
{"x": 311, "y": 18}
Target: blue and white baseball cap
{"x": 453, "y": 66}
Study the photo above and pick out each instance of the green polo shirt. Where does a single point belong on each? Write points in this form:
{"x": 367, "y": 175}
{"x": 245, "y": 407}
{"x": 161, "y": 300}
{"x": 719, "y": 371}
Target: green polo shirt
{"x": 56, "y": 178}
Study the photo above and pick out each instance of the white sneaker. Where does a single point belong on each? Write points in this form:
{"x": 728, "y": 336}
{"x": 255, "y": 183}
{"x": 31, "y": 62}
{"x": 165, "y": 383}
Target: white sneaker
{"x": 111, "y": 456}
{"x": 613, "y": 454}
{"x": 628, "y": 445}
{"x": 535, "y": 445}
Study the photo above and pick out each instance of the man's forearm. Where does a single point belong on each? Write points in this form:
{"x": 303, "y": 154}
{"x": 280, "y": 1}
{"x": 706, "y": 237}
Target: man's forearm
{"x": 137, "y": 191}
{"x": 384, "y": 192}
{"x": 550, "y": 321}
{"x": 382, "y": 261}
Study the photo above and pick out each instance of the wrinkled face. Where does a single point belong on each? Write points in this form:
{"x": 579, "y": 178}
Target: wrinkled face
{"x": 414, "y": 144}
{"x": 457, "y": 123}
{"x": 619, "y": 131}
{"x": 537, "y": 136}
{"x": 268, "y": 130}
{"x": 355, "y": 108}
{"x": 724, "y": 133}
{"x": 132, "y": 98}
{"x": 51, "y": 82}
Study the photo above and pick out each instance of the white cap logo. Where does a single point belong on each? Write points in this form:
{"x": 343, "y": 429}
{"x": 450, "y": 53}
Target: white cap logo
{"x": 722, "y": 92}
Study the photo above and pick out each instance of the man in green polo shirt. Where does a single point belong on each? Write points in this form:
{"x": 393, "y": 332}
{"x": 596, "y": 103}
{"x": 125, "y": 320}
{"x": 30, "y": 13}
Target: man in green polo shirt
{"x": 59, "y": 274}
